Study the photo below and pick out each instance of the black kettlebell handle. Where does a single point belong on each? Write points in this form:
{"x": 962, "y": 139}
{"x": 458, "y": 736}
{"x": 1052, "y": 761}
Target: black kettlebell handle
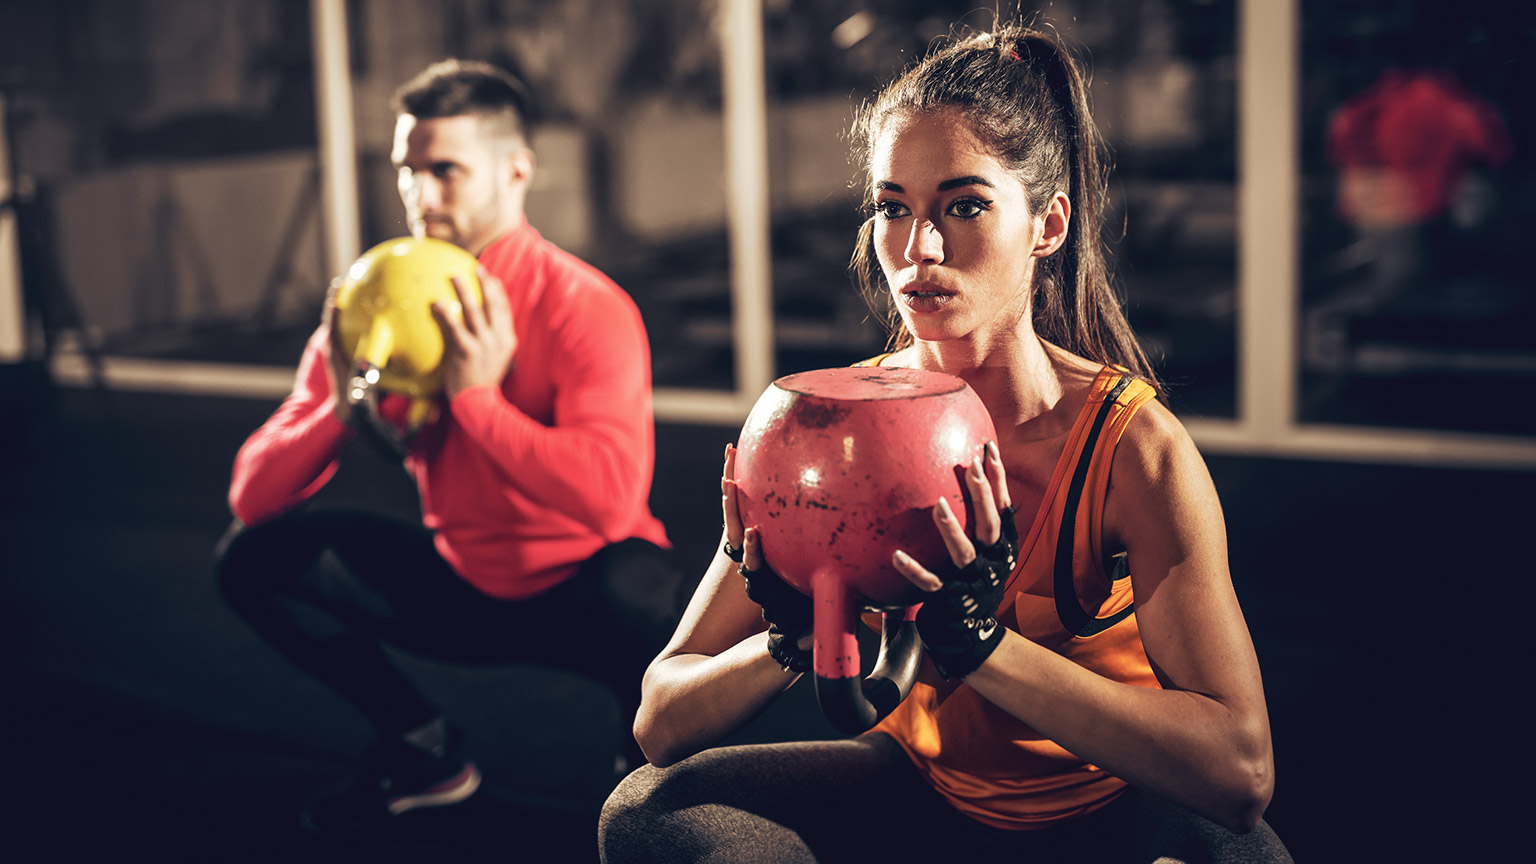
{"x": 363, "y": 401}
{"x": 854, "y": 705}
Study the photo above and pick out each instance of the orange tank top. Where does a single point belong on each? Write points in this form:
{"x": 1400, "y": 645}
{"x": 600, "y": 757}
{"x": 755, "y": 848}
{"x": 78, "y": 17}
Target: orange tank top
{"x": 989, "y": 764}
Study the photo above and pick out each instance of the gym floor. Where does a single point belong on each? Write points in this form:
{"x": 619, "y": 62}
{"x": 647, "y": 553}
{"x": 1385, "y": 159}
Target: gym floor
{"x": 144, "y": 719}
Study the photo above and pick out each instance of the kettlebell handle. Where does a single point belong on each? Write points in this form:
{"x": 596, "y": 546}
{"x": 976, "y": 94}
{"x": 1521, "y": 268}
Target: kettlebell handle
{"x": 363, "y": 399}
{"x": 363, "y": 402}
{"x": 850, "y": 702}
{"x": 853, "y": 704}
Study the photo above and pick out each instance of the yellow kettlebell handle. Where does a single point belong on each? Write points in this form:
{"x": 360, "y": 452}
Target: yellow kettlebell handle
{"x": 375, "y": 346}
{"x": 373, "y": 350}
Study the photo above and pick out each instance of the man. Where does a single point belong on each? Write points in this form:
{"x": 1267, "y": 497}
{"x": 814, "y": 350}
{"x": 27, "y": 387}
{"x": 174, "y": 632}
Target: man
{"x": 536, "y": 541}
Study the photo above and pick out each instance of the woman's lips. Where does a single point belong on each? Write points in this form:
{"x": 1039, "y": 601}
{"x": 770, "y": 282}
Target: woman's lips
{"x": 925, "y": 297}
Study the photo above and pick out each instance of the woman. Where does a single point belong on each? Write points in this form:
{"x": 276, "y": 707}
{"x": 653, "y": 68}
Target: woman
{"x": 1110, "y": 717}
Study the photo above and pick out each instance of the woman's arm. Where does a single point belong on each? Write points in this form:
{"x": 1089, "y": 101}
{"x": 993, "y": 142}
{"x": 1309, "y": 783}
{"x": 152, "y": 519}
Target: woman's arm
{"x": 716, "y": 673}
{"x": 1202, "y": 741}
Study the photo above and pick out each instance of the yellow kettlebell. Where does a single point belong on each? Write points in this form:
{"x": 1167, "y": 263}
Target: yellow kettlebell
{"x": 384, "y": 314}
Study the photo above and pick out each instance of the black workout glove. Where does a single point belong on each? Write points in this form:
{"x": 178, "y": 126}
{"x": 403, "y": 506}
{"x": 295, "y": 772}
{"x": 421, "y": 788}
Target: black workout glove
{"x": 787, "y": 611}
{"x": 958, "y": 622}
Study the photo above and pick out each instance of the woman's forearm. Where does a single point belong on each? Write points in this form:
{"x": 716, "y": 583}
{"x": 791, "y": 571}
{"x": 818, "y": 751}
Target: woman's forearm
{"x": 1192, "y": 748}
{"x": 691, "y": 701}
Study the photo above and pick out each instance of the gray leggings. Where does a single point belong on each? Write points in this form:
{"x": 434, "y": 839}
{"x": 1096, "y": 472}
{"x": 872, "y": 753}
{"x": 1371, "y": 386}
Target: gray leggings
{"x": 861, "y": 800}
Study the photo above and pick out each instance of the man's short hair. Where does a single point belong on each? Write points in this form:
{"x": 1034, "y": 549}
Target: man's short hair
{"x": 454, "y": 87}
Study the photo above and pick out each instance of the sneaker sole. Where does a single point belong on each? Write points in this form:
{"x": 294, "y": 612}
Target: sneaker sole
{"x": 450, "y": 791}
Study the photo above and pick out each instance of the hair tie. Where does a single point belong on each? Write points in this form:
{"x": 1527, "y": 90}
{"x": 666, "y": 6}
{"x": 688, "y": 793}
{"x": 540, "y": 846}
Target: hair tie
{"x": 1013, "y": 56}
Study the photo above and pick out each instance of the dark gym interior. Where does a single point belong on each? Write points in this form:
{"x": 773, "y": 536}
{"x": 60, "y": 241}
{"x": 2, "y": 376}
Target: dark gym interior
{"x": 144, "y": 721}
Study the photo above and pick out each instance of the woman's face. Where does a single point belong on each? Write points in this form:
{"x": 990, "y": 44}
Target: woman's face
{"x": 953, "y": 231}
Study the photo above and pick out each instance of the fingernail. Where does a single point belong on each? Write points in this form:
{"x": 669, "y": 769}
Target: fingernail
{"x": 902, "y": 556}
{"x": 975, "y": 468}
{"x": 992, "y": 451}
{"x": 944, "y": 505}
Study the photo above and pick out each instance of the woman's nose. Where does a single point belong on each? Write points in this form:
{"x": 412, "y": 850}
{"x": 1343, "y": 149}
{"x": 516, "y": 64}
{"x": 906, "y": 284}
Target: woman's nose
{"x": 926, "y": 245}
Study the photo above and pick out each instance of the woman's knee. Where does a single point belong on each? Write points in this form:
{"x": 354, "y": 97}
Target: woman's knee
{"x": 1142, "y": 826}
{"x": 681, "y": 813}
{"x": 626, "y": 828}
{"x": 650, "y": 793}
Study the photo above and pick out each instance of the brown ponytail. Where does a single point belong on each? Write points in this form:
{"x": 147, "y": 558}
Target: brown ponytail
{"x": 1025, "y": 94}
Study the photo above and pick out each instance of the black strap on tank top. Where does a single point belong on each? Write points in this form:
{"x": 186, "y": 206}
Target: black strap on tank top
{"x": 1073, "y": 617}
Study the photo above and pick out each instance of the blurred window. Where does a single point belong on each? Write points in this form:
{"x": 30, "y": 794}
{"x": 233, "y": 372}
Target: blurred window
{"x": 1417, "y": 309}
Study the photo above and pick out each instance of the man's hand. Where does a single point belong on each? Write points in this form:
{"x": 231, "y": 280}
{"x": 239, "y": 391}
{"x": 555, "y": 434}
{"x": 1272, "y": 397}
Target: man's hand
{"x": 477, "y": 350}
{"x": 340, "y": 364}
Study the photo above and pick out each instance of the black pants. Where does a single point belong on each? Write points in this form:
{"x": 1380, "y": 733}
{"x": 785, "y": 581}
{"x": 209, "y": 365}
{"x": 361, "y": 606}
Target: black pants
{"x": 860, "y": 800}
{"x": 327, "y": 588}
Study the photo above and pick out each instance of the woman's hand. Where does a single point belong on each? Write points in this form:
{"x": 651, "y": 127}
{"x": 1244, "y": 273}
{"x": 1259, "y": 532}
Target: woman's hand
{"x": 958, "y": 621}
{"x": 714, "y": 675}
{"x": 787, "y": 611}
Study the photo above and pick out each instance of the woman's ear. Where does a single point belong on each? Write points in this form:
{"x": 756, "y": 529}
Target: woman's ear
{"x": 1053, "y": 233}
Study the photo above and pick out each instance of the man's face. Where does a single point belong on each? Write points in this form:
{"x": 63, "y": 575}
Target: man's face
{"x": 457, "y": 183}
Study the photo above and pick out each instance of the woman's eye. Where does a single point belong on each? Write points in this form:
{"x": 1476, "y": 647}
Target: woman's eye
{"x": 888, "y": 209}
{"x": 969, "y": 208}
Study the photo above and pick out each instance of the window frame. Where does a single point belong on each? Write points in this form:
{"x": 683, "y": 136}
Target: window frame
{"x": 1268, "y": 283}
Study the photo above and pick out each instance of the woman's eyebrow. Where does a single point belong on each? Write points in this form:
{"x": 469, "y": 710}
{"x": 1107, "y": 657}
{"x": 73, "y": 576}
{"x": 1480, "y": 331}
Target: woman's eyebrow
{"x": 971, "y": 180}
{"x": 968, "y": 180}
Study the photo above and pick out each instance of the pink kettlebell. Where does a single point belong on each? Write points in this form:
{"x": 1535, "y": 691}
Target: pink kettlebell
{"x": 837, "y": 469}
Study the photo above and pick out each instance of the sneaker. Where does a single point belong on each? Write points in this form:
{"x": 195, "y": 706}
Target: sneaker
{"x": 450, "y": 791}
{"x": 403, "y": 778}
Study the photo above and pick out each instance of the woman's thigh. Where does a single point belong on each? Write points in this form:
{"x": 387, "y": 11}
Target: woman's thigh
{"x": 827, "y": 801}
{"x": 862, "y": 800}
{"x": 1140, "y": 827}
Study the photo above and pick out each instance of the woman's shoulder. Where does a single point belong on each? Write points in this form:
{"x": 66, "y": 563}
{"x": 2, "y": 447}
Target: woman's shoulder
{"x": 1155, "y": 449}
{"x": 1157, "y": 481}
